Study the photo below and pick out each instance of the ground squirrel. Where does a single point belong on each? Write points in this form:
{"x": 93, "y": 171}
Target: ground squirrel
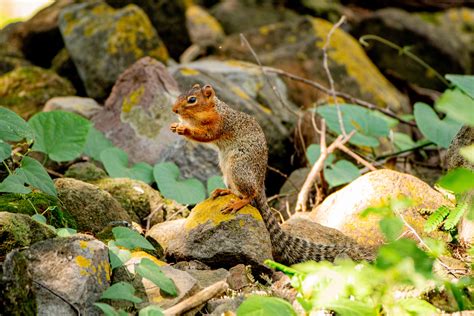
{"x": 243, "y": 157}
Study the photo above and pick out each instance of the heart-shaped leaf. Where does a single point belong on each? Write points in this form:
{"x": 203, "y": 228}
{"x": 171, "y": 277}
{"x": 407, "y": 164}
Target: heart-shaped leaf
{"x": 130, "y": 239}
{"x": 117, "y": 255}
{"x": 261, "y": 305}
{"x": 457, "y": 105}
{"x": 151, "y": 310}
{"x": 341, "y": 172}
{"x": 440, "y": 132}
{"x": 14, "y": 184}
{"x": 150, "y": 270}
{"x": 314, "y": 151}
{"x": 115, "y": 161}
{"x": 13, "y": 127}
{"x": 34, "y": 174}
{"x": 121, "y": 291}
{"x": 189, "y": 191}
{"x": 96, "y": 143}
{"x": 5, "y": 150}
{"x": 458, "y": 180}
{"x": 215, "y": 182}
{"x": 60, "y": 135}
{"x": 463, "y": 82}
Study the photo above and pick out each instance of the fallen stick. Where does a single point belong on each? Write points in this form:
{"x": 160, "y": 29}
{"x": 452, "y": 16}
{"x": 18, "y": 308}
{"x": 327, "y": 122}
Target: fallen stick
{"x": 197, "y": 299}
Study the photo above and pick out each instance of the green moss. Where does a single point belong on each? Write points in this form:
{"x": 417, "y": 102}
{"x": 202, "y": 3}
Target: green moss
{"x": 132, "y": 99}
{"x": 23, "y": 204}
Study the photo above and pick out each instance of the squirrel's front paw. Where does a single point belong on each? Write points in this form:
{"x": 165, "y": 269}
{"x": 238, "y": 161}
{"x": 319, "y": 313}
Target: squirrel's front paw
{"x": 178, "y": 128}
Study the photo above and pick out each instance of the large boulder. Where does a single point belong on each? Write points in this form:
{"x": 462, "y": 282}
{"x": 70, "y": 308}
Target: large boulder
{"x": 341, "y": 209}
{"x": 427, "y": 41}
{"x": 85, "y": 107}
{"x": 222, "y": 240}
{"x": 69, "y": 274}
{"x": 103, "y": 42}
{"x": 92, "y": 208}
{"x": 25, "y": 90}
{"x": 463, "y": 138}
{"x": 297, "y": 48}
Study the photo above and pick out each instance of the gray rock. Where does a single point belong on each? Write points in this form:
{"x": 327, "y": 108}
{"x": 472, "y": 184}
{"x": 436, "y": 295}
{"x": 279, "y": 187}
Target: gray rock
{"x": 207, "y": 278}
{"x": 464, "y": 137}
{"x": 220, "y": 240}
{"x": 85, "y": 171}
{"x": 238, "y": 278}
{"x": 92, "y": 208}
{"x": 166, "y": 232}
{"x": 75, "y": 268}
{"x": 219, "y": 307}
{"x": 85, "y": 107}
{"x": 103, "y": 42}
{"x": 19, "y": 230}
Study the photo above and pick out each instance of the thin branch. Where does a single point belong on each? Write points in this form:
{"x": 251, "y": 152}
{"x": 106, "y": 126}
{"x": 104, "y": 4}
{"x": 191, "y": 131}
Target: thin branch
{"x": 54, "y": 173}
{"x": 197, "y": 299}
{"x": 150, "y": 216}
{"x": 328, "y": 73}
{"x": 284, "y": 176}
{"x": 358, "y": 158}
{"x": 344, "y": 95}
{"x": 76, "y": 309}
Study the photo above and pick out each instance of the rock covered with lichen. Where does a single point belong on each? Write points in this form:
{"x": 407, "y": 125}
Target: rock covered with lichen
{"x": 103, "y": 42}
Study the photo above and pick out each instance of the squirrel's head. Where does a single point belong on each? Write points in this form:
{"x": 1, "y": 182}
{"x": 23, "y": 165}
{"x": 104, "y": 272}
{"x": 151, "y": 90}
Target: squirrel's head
{"x": 197, "y": 104}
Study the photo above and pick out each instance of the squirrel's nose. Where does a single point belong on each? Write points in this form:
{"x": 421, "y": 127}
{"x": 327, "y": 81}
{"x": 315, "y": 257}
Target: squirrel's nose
{"x": 175, "y": 109}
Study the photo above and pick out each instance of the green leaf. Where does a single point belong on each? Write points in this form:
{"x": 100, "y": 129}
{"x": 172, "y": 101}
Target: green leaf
{"x": 435, "y": 219}
{"x": 341, "y": 172}
{"x": 458, "y": 180}
{"x": 403, "y": 141}
{"x": 115, "y": 161}
{"x": 35, "y": 175}
{"x": 39, "y": 218}
{"x": 436, "y": 247}
{"x": 314, "y": 151}
{"x": 121, "y": 291}
{"x": 14, "y": 184}
{"x": 440, "y": 132}
{"x": 347, "y": 307}
{"x": 130, "y": 239}
{"x": 96, "y": 143}
{"x": 368, "y": 126}
{"x": 455, "y": 216}
{"x": 456, "y": 105}
{"x": 392, "y": 254}
{"x": 117, "y": 256}
{"x": 60, "y": 135}
{"x": 416, "y": 306}
{"x": 151, "y": 310}
{"x": 463, "y": 82}
{"x": 151, "y": 271}
{"x": 265, "y": 306}
{"x": 189, "y": 191}
{"x": 13, "y": 127}
{"x": 106, "y": 309}
{"x": 5, "y": 150}
{"x": 391, "y": 227}
{"x": 468, "y": 153}
{"x": 65, "y": 232}
{"x": 215, "y": 182}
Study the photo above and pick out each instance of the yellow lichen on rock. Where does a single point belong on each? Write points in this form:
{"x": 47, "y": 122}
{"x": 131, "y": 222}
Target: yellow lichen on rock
{"x": 83, "y": 262}
{"x": 346, "y": 51}
{"x": 210, "y": 211}
{"x": 189, "y": 72}
{"x": 132, "y": 99}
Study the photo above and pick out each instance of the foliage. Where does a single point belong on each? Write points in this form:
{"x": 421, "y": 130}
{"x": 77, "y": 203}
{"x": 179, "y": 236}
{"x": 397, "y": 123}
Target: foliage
{"x": 149, "y": 270}
{"x": 214, "y": 182}
{"x": 115, "y": 161}
{"x": 261, "y": 305}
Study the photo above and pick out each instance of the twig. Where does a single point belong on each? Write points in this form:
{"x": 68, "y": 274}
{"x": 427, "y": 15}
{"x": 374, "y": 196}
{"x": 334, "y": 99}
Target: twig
{"x": 54, "y": 173}
{"x": 150, "y": 216}
{"x": 358, "y": 158}
{"x": 422, "y": 145}
{"x": 301, "y": 203}
{"x": 197, "y": 299}
{"x": 328, "y": 73}
{"x": 284, "y": 176}
{"x": 177, "y": 212}
{"x": 344, "y": 95}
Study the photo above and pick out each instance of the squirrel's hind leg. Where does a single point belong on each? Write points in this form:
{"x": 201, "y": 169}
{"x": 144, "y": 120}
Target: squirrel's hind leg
{"x": 235, "y": 205}
{"x": 220, "y": 192}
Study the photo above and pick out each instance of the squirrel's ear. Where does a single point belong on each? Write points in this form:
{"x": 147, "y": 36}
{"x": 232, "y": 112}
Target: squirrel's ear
{"x": 196, "y": 86}
{"x": 208, "y": 91}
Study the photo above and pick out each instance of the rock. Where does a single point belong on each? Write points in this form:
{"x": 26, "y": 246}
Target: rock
{"x": 85, "y": 107}
{"x": 76, "y": 268}
{"x": 221, "y": 240}
{"x": 207, "y": 278}
{"x": 141, "y": 200}
{"x": 19, "y": 230}
{"x": 39, "y": 38}
{"x": 290, "y": 190}
{"x": 16, "y": 286}
{"x": 166, "y": 232}
{"x": 103, "y": 42}
{"x": 223, "y": 306}
{"x": 296, "y": 47}
{"x": 25, "y": 90}
{"x": 238, "y": 16}
{"x": 85, "y": 171}
{"x": 137, "y": 115}
{"x": 63, "y": 65}
{"x": 242, "y": 87}
{"x": 168, "y": 18}
{"x": 10, "y": 58}
{"x": 341, "y": 209}
{"x": 44, "y": 204}
{"x": 464, "y": 137}
{"x": 238, "y": 278}
{"x": 92, "y": 208}
{"x": 191, "y": 265}
{"x": 426, "y": 41}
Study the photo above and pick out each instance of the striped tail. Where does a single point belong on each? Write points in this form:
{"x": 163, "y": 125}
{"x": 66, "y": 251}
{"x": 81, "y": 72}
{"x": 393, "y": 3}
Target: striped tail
{"x": 290, "y": 249}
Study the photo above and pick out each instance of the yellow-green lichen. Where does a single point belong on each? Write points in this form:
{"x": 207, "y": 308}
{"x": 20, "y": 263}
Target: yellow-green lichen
{"x": 83, "y": 262}
{"x": 189, "y": 72}
{"x": 209, "y": 211}
{"x": 83, "y": 244}
{"x": 345, "y": 50}
{"x": 199, "y": 16}
{"x": 132, "y": 99}
{"x": 241, "y": 93}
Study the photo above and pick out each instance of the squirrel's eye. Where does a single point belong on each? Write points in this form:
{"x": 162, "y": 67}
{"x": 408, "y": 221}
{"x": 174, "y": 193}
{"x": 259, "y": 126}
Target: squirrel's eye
{"x": 192, "y": 100}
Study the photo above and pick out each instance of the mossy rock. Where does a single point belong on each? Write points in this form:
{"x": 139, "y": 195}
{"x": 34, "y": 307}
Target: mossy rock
{"x": 20, "y": 230}
{"x": 85, "y": 171}
{"x": 10, "y": 58}
{"x": 103, "y": 42}
{"x": 26, "y": 89}
{"x": 37, "y": 203}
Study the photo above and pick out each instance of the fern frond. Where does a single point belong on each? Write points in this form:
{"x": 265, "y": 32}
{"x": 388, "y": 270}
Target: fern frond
{"x": 454, "y": 216}
{"x": 435, "y": 219}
